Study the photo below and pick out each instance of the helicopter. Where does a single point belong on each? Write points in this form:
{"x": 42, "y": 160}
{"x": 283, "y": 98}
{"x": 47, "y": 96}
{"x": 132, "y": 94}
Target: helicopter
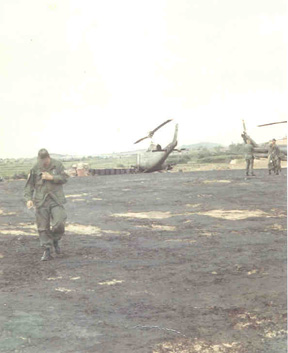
{"x": 154, "y": 158}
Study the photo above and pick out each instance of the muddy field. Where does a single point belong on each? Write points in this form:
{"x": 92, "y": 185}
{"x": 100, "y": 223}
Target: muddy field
{"x": 163, "y": 262}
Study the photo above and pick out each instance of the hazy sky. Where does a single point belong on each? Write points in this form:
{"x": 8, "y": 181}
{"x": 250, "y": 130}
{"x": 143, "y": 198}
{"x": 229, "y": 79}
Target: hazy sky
{"x": 93, "y": 76}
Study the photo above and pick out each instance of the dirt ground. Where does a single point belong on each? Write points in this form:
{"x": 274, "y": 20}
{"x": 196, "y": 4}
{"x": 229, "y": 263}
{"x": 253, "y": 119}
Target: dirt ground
{"x": 163, "y": 262}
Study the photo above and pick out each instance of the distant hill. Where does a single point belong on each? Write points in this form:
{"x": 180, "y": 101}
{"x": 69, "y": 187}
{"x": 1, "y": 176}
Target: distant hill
{"x": 207, "y": 145}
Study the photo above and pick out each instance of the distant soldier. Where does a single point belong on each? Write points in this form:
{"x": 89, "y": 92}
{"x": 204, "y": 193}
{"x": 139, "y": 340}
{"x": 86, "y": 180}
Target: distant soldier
{"x": 274, "y": 161}
{"x": 44, "y": 191}
{"x": 249, "y": 157}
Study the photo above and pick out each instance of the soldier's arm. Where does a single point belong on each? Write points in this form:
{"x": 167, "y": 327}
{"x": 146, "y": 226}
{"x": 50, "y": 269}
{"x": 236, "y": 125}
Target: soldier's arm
{"x": 29, "y": 187}
{"x": 61, "y": 177}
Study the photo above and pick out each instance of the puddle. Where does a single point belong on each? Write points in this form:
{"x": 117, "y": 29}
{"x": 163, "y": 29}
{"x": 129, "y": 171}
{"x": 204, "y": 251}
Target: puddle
{"x": 78, "y": 200}
{"x": 234, "y": 214}
{"x": 74, "y": 278}
{"x": 145, "y": 215}
{"x": 110, "y": 283}
{"x": 97, "y": 199}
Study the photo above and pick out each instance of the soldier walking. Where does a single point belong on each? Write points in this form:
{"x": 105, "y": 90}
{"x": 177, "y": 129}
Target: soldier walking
{"x": 249, "y": 157}
{"x": 44, "y": 191}
{"x": 274, "y": 162}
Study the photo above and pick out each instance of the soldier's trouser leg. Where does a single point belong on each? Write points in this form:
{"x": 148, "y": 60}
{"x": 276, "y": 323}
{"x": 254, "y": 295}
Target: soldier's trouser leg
{"x": 270, "y": 164}
{"x": 43, "y": 226}
{"x": 247, "y": 166}
{"x": 252, "y": 166}
{"x": 58, "y": 219}
{"x": 277, "y": 166}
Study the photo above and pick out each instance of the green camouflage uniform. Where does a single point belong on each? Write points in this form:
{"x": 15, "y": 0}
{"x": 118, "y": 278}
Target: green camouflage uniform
{"x": 274, "y": 162}
{"x": 249, "y": 156}
{"x": 48, "y": 198}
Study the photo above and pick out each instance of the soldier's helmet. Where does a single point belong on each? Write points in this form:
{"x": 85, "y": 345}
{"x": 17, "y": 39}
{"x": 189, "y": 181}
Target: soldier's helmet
{"x": 274, "y": 140}
{"x": 43, "y": 153}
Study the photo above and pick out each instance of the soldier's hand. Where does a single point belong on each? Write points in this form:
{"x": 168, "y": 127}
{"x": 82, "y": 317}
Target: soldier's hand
{"x": 47, "y": 176}
{"x": 30, "y": 204}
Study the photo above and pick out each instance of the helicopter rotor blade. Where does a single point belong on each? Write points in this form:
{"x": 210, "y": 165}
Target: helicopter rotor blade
{"x": 143, "y": 138}
{"x": 151, "y": 133}
{"x": 279, "y": 122}
{"x": 158, "y": 127}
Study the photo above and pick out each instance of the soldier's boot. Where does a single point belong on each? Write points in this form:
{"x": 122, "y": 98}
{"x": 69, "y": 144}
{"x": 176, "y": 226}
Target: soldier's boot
{"x": 57, "y": 247}
{"x": 253, "y": 174}
{"x": 247, "y": 174}
{"x": 46, "y": 255}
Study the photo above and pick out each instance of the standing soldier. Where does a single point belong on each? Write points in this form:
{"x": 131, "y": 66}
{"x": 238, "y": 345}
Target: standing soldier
{"x": 274, "y": 158}
{"x": 44, "y": 191}
{"x": 249, "y": 156}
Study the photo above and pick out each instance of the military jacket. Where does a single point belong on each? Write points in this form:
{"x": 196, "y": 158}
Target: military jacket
{"x": 249, "y": 151}
{"x": 38, "y": 190}
{"x": 274, "y": 151}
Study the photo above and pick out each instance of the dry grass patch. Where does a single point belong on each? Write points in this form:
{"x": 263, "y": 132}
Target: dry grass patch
{"x": 216, "y": 181}
{"x": 275, "y": 334}
{"x": 235, "y": 215}
{"x": 64, "y": 290}
{"x": 158, "y": 227}
{"x": 76, "y": 195}
{"x": 145, "y": 215}
{"x": 248, "y": 320}
{"x": 181, "y": 240}
{"x": 17, "y": 232}
{"x": 187, "y": 346}
{"x": 277, "y": 227}
{"x": 91, "y": 230}
{"x": 82, "y": 229}
{"x": 110, "y": 283}
{"x": 2, "y": 213}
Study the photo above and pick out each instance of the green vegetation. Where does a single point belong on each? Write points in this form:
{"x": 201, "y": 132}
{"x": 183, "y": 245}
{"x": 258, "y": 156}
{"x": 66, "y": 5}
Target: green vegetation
{"x": 216, "y": 154}
{"x": 19, "y": 168}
